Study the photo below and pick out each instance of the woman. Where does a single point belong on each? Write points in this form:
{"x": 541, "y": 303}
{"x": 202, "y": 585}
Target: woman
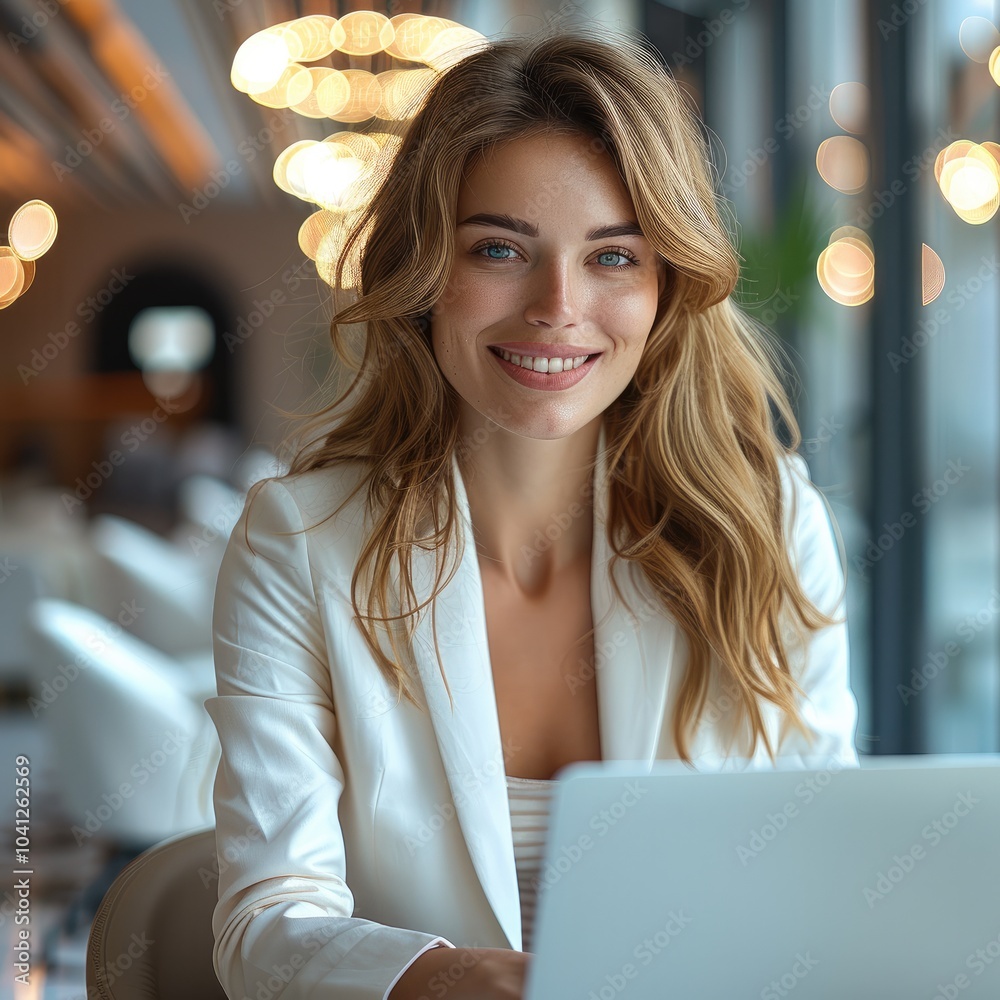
{"x": 624, "y": 561}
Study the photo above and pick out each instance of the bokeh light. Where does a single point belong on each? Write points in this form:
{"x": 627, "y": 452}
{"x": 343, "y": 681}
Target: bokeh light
{"x": 931, "y": 275}
{"x": 846, "y": 271}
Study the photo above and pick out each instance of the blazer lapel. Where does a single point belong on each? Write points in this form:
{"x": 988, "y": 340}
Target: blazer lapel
{"x": 633, "y": 652}
{"x": 634, "y": 646}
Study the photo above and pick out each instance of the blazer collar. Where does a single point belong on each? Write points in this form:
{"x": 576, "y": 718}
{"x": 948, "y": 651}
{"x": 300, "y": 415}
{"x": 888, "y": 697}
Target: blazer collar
{"x": 633, "y": 654}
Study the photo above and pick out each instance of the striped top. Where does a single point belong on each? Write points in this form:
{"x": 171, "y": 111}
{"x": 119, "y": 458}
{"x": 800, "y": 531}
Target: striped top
{"x": 530, "y": 800}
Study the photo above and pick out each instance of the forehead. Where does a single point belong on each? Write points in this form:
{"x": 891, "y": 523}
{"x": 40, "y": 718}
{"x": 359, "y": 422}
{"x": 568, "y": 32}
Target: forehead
{"x": 544, "y": 171}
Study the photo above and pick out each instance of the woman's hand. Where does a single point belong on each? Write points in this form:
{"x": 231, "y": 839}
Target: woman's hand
{"x": 465, "y": 974}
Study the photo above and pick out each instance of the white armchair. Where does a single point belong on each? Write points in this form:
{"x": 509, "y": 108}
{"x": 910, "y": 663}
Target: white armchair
{"x": 168, "y": 593}
{"x": 135, "y": 750}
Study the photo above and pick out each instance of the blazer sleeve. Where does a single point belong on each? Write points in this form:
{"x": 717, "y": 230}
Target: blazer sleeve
{"x": 822, "y": 666}
{"x": 283, "y": 924}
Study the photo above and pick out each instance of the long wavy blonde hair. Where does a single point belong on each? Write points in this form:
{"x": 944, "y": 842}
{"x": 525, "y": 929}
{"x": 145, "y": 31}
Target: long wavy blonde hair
{"x": 693, "y": 476}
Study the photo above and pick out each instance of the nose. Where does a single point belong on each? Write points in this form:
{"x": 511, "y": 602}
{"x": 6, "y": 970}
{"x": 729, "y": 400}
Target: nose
{"x": 554, "y": 297}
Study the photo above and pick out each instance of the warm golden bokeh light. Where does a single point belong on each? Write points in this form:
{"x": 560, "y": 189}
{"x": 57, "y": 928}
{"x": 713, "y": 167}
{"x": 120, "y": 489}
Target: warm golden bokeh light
{"x": 931, "y": 274}
{"x": 259, "y": 62}
{"x": 328, "y": 171}
{"x": 280, "y": 172}
{"x": 843, "y": 163}
{"x": 328, "y": 255}
{"x": 310, "y": 106}
{"x": 333, "y": 93}
{"x": 293, "y": 87}
{"x": 11, "y": 276}
{"x": 452, "y": 46}
{"x": 414, "y": 33}
{"x": 318, "y": 226}
{"x": 316, "y": 34}
{"x": 849, "y": 104}
{"x": 32, "y": 229}
{"x": 846, "y": 271}
{"x": 342, "y": 172}
{"x": 367, "y": 32}
{"x": 855, "y": 234}
{"x": 29, "y": 275}
{"x": 404, "y": 92}
{"x": 365, "y": 97}
{"x": 969, "y": 177}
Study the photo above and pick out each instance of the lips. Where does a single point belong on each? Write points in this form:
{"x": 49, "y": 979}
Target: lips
{"x": 543, "y": 380}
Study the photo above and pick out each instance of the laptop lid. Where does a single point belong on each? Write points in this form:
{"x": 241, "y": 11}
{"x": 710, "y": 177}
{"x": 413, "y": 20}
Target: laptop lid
{"x": 882, "y": 881}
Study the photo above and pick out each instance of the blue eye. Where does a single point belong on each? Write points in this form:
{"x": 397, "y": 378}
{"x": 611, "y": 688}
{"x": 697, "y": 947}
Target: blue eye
{"x": 487, "y": 251}
{"x": 615, "y": 253}
{"x": 495, "y": 246}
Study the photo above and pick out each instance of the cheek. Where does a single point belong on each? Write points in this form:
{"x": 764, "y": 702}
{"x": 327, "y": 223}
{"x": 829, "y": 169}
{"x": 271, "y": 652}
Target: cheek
{"x": 633, "y": 315}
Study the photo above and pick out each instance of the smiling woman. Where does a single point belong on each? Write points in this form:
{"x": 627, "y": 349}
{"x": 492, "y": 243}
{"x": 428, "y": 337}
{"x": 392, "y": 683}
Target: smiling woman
{"x": 557, "y": 396}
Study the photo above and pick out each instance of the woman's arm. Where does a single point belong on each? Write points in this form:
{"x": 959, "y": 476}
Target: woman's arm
{"x": 465, "y": 974}
{"x": 283, "y": 923}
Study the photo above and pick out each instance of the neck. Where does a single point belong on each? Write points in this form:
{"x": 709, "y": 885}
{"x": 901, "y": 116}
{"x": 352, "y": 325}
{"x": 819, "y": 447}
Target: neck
{"x": 530, "y": 500}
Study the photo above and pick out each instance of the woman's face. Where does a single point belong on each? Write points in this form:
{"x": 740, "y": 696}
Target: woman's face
{"x": 548, "y": 259}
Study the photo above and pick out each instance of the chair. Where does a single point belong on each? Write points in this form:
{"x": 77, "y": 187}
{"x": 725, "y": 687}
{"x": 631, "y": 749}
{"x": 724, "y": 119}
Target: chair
{"x": 152, "y": 936}
{"x": 135, "y": 750}
{"x": 174, "y": 588}
{"x": 209, "y": 509}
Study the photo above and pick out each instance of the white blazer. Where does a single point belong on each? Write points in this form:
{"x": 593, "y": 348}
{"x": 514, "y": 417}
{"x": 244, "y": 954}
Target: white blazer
{"x": 353, "y": 833}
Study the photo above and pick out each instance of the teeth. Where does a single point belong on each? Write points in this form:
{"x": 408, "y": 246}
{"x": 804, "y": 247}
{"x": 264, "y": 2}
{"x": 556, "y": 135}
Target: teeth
{"x": 550, "y": 366}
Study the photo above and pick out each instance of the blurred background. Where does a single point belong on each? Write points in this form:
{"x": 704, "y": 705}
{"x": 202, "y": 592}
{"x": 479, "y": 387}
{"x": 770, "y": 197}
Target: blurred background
{"x": 148, "y": 350}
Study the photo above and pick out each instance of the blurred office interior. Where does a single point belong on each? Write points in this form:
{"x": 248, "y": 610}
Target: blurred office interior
{"x": 121, "y": 473}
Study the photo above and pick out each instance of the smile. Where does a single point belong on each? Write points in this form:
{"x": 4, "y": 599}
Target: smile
{"x": 542, "y": 379}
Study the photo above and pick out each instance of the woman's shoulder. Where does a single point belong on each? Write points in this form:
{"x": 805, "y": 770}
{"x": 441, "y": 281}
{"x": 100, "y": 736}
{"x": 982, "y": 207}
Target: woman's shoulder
{"x": 314, "y": 497}
{"x": 810, "y": 523}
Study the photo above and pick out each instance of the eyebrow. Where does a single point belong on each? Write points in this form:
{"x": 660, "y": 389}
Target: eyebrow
{"x": 504, "y": 221}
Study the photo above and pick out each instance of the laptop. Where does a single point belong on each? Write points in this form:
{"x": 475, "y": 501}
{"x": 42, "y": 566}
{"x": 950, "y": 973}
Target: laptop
{"x": 878, "y": 882}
